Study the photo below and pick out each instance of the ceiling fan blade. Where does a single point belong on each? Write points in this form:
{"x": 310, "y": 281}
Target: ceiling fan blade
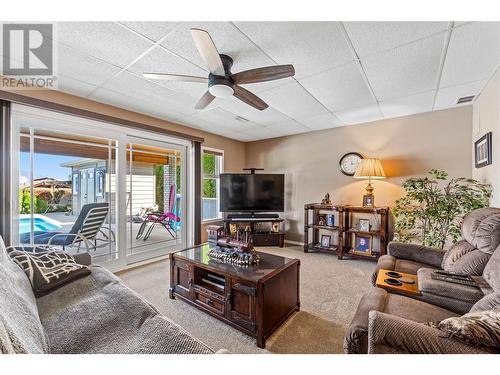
{"x": 251, "y": 99}
{"x": 205, "y": 100}
{"x": 268, "y": 73}
{"x": 208, "y": 51}
{"x": 175, "y": 77}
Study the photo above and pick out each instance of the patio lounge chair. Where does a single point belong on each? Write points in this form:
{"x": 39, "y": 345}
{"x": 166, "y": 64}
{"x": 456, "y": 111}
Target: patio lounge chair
{"x": 85, "y": 230}
{"x": 166, "y": 219}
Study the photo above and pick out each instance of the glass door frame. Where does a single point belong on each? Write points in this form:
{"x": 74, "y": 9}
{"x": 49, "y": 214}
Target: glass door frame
{"x": 138, "y": 257}
{"x": 122, "y": 135}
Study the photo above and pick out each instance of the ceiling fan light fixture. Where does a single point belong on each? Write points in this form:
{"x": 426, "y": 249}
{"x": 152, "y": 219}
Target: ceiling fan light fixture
{"x": 221, "y": 91}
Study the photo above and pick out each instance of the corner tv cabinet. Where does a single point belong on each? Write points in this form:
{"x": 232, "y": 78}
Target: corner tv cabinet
{"x": 255, "y": 299}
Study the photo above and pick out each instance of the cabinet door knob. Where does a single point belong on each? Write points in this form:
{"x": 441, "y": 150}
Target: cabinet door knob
{"x": 209, "y": 302}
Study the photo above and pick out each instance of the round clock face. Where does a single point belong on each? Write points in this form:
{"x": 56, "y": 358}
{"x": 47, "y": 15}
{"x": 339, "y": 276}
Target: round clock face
{"x": 349, "y": 162}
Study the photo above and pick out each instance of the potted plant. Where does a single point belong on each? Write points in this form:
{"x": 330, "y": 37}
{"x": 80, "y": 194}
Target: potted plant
{"x": 431, "y": 213}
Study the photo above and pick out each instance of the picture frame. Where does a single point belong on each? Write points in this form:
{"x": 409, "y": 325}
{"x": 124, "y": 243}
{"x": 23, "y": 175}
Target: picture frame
{"x": 326, "y": 240}
{"x": 330, "y": 220}
{"x": 364, "y": 225}
{"x": 275, "y": 227}
{"x": 362, "y": 245}
{"x": 483, "y": 151}
{"x": 368, "y": 200}
{"x": 233, "y": 228}
{"x": 321, "y": 220}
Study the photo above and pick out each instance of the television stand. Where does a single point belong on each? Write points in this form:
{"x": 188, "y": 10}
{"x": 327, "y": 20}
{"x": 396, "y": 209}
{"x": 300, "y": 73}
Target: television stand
{"x": 264, "y": 231}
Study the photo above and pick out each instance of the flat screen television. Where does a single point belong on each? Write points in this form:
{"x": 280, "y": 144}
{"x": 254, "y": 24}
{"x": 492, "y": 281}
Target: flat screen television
{"x": 252, "y": 192}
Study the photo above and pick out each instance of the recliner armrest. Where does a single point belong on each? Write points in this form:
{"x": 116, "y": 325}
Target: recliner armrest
{"x": 392, "y": 334}
{"x": 418, "y": 253}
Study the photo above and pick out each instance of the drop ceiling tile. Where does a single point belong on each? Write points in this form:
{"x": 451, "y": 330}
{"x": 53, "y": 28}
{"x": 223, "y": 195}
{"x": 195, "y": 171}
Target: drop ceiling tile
{"x": 293, "y": 100}
{"x": 83, "y": 67}
{"x": 242, "y": 137}
{"x": 360, "y": 115}
{"x": 340, "y": 88}
{"x": 159, "y": 60}
{"x": 408, "y": 105}
{"x": 447, "y": 97}
{"x": 473, "y": 53}
{"x": 142, "y": 89}
{"x": 320, "y": 122}
{"x": 371, "y": 37}
{"x": 260, "y": 132}
{"x": 151, "y": 30}
{"x": 406, "y": 70}
{"x": 104, "y": 40}
{"x": 73, "y": 86}
{"x": 310, "y": 46}
{"x": 202, "y": 124}
{"x": 133, "y": 104}
{"x": 288, "y": 127}
{"x": 266, "y": 117}
{"x": 218, "y": 117}
{"x": 227, "y": 39}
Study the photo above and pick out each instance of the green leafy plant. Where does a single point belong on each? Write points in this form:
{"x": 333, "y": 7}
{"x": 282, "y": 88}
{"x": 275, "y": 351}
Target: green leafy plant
{"x": 432, "y": 211}
{"x": 40, "y": 205}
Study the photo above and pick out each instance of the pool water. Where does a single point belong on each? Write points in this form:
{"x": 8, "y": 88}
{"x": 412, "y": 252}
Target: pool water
{"x": 40, "y": 224}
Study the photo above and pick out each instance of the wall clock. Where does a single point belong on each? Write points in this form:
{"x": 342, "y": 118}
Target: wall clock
{"x": 349, "y": 162}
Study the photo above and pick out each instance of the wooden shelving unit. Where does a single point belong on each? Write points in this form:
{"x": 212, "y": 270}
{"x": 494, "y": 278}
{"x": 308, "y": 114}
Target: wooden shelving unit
{"x": 345, "y": 229}
{"x": 314, "y": 245}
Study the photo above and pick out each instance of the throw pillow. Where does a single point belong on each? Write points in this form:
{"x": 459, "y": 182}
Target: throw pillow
{"x": 477, "y": 328}
{"x": 49, "y": 270}
{"x": 462, "y": 257}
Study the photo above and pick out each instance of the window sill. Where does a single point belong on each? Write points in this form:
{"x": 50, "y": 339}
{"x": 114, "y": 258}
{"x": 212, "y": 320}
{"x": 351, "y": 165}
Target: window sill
{"x": 210, "y": 221}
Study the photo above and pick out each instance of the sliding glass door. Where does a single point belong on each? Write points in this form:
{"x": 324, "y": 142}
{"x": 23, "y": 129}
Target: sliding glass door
{"x": 155, "y": 198}
{"x": 88, "y": 186}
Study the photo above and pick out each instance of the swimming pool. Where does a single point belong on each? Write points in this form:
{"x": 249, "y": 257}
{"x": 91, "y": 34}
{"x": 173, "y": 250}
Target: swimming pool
{"x": 40, "y": 224}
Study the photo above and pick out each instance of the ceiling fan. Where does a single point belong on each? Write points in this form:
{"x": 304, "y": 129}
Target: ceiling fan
{"x": 221, "y": 82}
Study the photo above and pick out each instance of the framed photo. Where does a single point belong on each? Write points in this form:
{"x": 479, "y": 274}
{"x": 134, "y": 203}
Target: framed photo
{"x": 330, "y": 220}
{"x": 364, "y": 225}
{"x": 322, "y": 220}
{"x": 483, "y": 151}
{"x": 368, "y": 200}
{"x": 325, "y": 240}
{"x": 275, "y": 228}
{"x": 233, "y": 228}
{"x": 362, "y": 244}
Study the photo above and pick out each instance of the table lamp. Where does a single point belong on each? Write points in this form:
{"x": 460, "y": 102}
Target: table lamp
{"x": 369, "y": 168}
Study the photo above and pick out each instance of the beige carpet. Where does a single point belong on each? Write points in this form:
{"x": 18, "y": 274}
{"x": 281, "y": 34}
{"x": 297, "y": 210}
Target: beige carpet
{"x": 330, "y": 290}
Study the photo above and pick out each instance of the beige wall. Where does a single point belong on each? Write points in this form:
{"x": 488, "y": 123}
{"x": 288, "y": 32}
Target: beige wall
{"x": 407, "y": 146}
{"x": 486, "y": 118}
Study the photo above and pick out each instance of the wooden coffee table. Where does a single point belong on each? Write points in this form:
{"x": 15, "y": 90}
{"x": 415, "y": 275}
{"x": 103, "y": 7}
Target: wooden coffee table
{"x": 405, "y": 288}
{"x": 254, "y": 299}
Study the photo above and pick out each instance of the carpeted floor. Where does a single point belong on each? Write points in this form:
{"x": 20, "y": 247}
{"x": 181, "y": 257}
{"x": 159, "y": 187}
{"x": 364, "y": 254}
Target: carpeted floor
{"x": 330, "y": 290}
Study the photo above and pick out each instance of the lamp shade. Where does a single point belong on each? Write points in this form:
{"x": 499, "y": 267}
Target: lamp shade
{"x": 369, "y": 168}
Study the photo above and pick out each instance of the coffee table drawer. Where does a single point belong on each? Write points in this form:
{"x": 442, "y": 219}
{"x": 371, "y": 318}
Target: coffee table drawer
{"x": 209, "y": 303}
